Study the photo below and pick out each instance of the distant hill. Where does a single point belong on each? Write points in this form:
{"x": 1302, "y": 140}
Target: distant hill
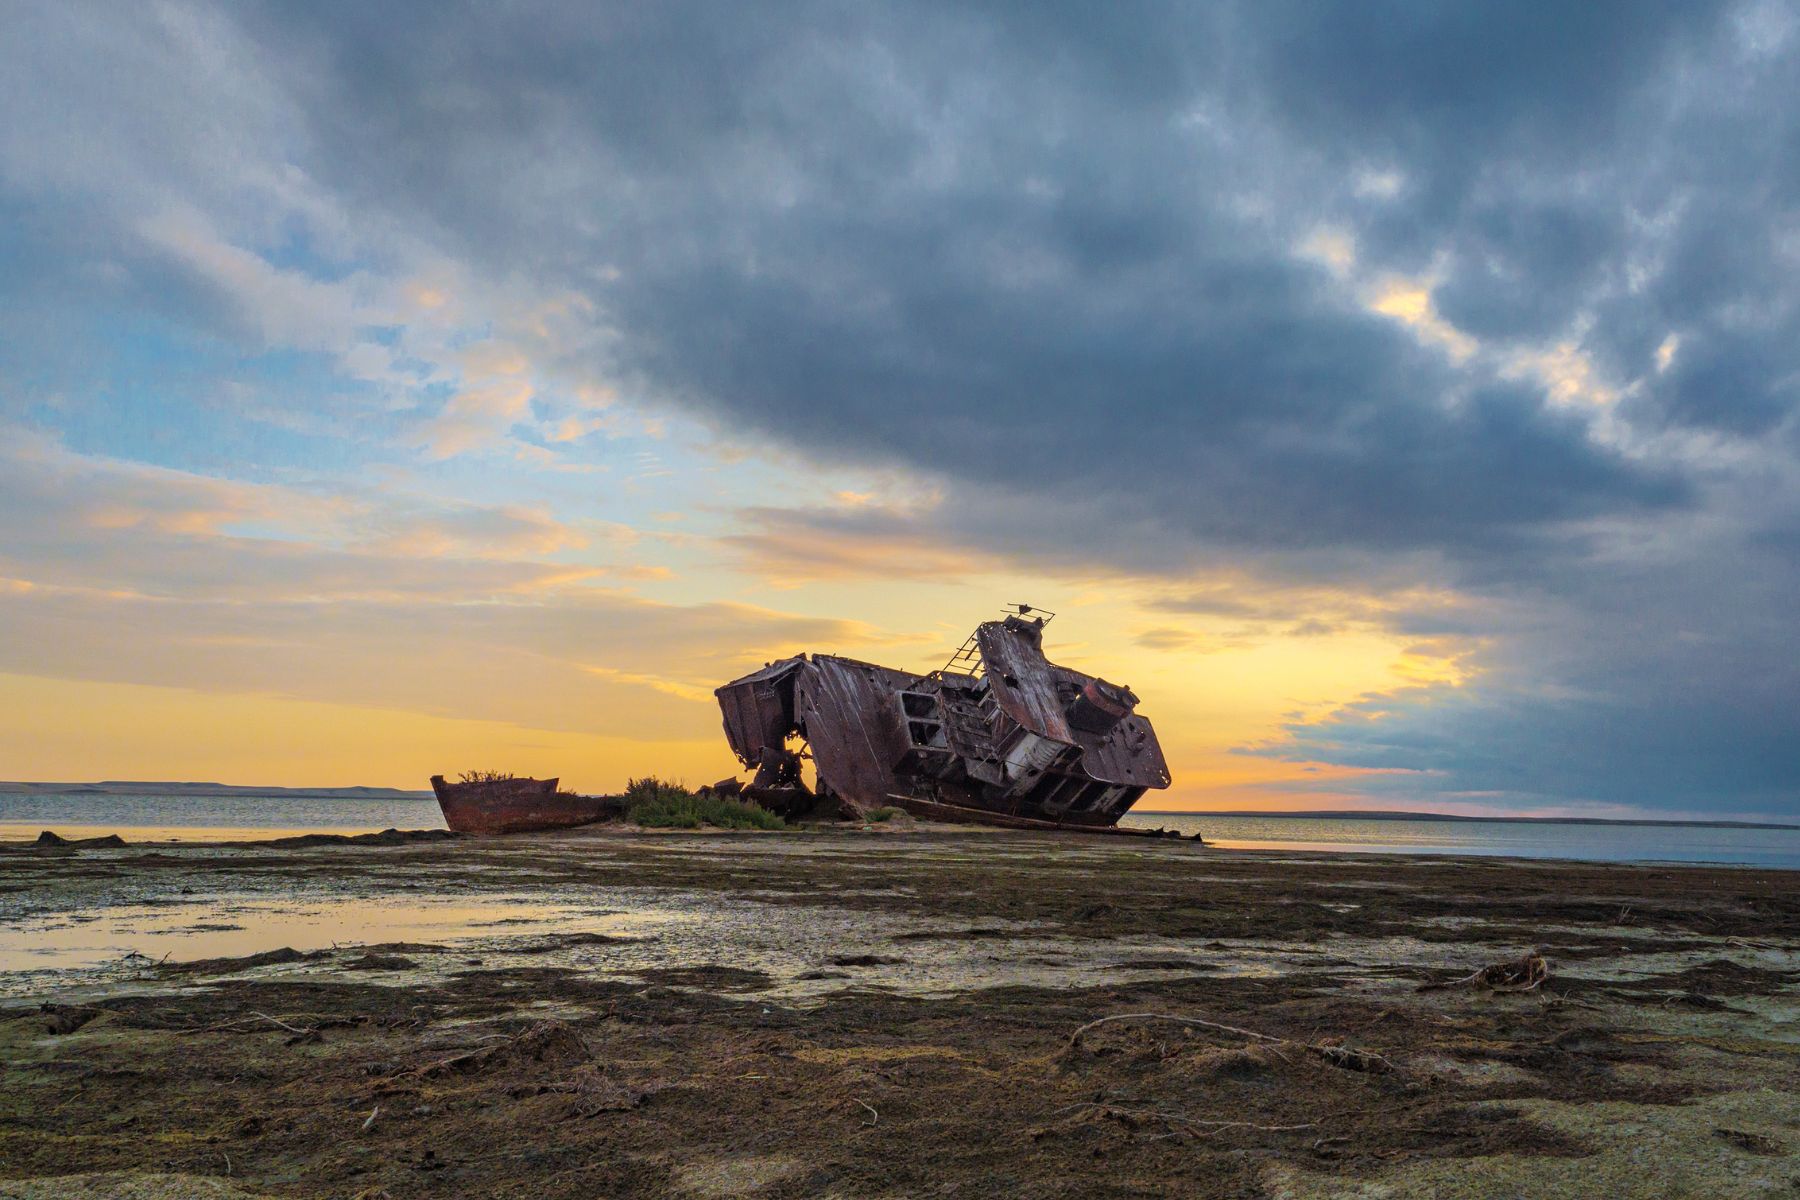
{"x": 137, "y": 787}
{"x": 1353, "y": 814}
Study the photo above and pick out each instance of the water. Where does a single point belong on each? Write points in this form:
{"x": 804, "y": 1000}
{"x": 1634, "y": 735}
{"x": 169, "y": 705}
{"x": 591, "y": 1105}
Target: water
{"x": 166, "y": 818}
{"x": 231, "y": 924}
{"x": 1514, "y": 839}
{"x": 226, "y": 818}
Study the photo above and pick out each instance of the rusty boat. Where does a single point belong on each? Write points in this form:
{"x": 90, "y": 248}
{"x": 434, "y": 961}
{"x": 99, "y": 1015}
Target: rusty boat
{"x": 516, "y": 805}
{"x": 1000, "y": 735}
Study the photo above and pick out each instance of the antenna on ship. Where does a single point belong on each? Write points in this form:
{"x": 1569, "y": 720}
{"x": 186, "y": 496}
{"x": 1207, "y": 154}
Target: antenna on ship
{"x": 967, "y": 659}
{"x": 1042, "y": 616}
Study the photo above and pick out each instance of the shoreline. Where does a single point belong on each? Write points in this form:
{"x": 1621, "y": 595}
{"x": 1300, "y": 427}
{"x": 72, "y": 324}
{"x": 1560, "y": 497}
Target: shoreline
{"x": 148, "y": 789}
{"x": 1402, "y": 815}
{"x": 15, "y": 835}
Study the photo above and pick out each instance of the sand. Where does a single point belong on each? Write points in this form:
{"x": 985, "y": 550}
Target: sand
{"x": 860, "y": 1014}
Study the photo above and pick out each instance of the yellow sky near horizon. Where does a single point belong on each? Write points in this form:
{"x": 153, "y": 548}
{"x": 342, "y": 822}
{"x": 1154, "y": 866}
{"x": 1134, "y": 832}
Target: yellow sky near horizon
{"x": 173, "y": 625}
{"x": 1210, "y": 684}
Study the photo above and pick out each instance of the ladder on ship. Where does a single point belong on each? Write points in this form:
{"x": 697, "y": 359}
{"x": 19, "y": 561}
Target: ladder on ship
{"x": 967, "y": 659}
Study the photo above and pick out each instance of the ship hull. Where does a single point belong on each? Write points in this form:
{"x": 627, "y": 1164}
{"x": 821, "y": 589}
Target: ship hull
{"x": 515, "y": 806}
{"x": 933, "y": 810}
{"x": 1003, "y": 736}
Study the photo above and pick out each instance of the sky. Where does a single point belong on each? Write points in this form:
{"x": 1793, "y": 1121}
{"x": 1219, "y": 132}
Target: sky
{"x": 1402, "y": 398}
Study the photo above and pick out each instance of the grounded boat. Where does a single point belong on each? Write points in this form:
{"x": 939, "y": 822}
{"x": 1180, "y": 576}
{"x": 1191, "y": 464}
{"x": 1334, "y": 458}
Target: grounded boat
{"x": 1001, "y": 735}
{"x": 516, "y": 805}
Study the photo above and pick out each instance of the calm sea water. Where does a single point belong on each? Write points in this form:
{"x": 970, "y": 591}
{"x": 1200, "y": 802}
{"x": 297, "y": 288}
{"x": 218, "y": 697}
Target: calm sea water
{"x": 207, "y": 818}
{"x": 1533, "y": 839}
{"x": 221, "y": 818}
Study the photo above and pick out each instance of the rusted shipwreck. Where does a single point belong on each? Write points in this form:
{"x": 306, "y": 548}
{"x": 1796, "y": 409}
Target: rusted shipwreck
{"x": 505, "y": 804}
{"x": 1000, "y": 735}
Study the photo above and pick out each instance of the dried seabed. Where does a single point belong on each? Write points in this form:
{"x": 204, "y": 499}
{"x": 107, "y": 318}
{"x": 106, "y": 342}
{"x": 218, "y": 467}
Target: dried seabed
{"x": 808, "y": 1014}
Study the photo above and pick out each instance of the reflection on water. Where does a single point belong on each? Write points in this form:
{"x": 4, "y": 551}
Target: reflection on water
{"x": 803, "y": 953}
{"x": 1519, "y": 839}
{"x": 232, "y": 927}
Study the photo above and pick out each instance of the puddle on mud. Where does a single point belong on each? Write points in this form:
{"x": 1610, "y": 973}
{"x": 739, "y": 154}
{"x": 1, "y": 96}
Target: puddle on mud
{"x": 805, "y": 953}
{"x": 239, "y": 925}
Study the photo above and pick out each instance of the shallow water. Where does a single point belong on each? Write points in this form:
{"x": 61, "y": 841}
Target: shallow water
{"x": 1512, "y": 839}
{"x": 103, "y": 945}
{"x": 237, "y": 925}
{"x": 171, "y": 818}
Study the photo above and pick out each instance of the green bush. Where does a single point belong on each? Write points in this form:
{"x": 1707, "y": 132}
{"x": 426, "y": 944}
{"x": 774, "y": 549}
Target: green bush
{"x": 884, "y": 814}
{"x": 658, "y": 804}
{"x": 651, "y": 788}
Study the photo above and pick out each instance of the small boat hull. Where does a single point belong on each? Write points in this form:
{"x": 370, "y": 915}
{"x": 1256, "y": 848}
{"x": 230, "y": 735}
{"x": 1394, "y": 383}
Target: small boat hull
{"x": 515, "y": 806}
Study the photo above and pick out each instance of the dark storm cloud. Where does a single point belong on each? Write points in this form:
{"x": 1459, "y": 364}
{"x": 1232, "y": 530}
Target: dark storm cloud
{"x": 1056, "y": 257}
{"x": 1053, "y": 250}
{"x": 1450, "y": 87}
{"x": 1518, "y": 749}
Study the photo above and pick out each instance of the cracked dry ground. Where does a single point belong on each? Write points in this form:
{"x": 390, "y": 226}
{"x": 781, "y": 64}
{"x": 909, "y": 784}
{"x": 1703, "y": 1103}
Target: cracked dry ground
{"x": 835, "y": 1014}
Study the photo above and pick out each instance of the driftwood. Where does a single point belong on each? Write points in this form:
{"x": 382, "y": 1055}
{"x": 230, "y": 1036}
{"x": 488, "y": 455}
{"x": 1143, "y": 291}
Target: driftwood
{"x": 1194, "y": 1126}
{"x": 300, "y": 1035}
{"x": 235, "y": 1022}
{"x": 546, "y": 1041}
{"x": 1347, "y": 1057}
{"x": 1525, "y": 974}
{"x": 1180, "y": 1123}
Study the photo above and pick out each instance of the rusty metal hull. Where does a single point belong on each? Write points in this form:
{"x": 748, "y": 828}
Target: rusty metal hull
{"x": 933, "y": 810}
{"x": 1006, "y": 736}
{"x": 515, "y": 806}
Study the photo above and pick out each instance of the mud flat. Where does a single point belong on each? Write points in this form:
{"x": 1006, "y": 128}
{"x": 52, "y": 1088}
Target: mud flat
{"x": 884, "y": 1015}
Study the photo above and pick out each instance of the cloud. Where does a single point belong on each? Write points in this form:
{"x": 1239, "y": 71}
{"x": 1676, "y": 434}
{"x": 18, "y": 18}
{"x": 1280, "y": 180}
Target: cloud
{"x": 93, "y": 523}
{"x": 506, "y": 531}
{"x": 857, "y": 540}
{"x": 1164, "y": 638}
{"x": 121, "y": 573}
{"x": 50, "y": 493}
{"x": 859, "y": 291}
{"x": 286, "y": 308}
{"x": 1478, "y": 301}
{"x": 574, "y": 659}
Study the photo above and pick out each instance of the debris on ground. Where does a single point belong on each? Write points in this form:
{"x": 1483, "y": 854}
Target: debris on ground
{"x": 387, "y": 837}
{"x": 49, "y": 840}
{"x": 553, "y": 1042}
{"x": 381, "y": 962}
{"x": 1524, "y": 974}
{"x": 1332, "y": 1051}
{"x": 221, "y": 966}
